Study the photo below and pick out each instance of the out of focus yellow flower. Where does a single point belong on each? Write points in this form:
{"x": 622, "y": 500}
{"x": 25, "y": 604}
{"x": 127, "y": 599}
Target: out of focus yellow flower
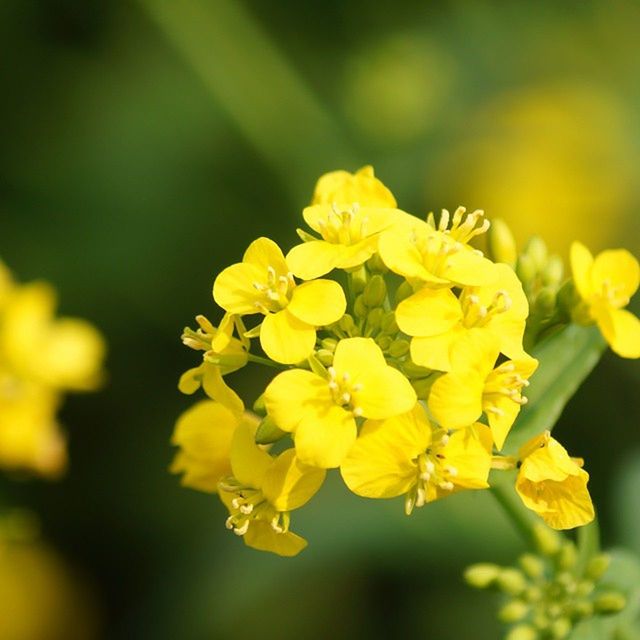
{"x": 41, "y": 357}
{"x": 362, "y": 186}
{"x": 553, "y": 485}
{"x": 321, "y": 413}
{"x": 263, "y": 283}
{"x": 263, "y": 490}
{"x": 406, "y": 455}
{"x": 605, "y": 285}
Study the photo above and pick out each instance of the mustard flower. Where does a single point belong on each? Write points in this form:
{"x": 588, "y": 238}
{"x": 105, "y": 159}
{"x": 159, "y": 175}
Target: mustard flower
{"x": 437, "y": 319}
{"x": 554, "y": 485}
{"x": 321, "y": 412}
{"x": 362, "y": 186}
{"x": 606, "y": 284}
{"x": 263, "y": 283}
{"x": 406, "y": 455}
{"x": 473, "y": 386}
{"x": 262, "y": 492}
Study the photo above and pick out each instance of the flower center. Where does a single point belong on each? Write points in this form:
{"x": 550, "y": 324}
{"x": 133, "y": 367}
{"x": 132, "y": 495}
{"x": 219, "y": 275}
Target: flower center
{"x": 504, "y": 381}
{"x": 433, "y": 474}
{"x": 344, "y": 392}
{"x": 612, "y": 295}
{"x": 435, "y": 250}
{"x": 475, "y": 314}
{"x": 248, "y": 505}
{"x": 344, "y": 226}
{"x": 274, "y": 294}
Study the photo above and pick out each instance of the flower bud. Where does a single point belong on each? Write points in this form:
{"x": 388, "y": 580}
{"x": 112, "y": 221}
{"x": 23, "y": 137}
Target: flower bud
{"x": 384, "y": 342}
{"x": 526, "y": 270}
{"x": 582, "y": 609}
{"x": 610, "y": 602}
{"x": 375, "y": 291}
{"x": 388, "y": 323}
{"x": 259, "y": 406}
{"x": 522, "y": 632}
{"x": 560, "y": 628}
{"x": 547, "y": 540}
{"x": 553, "y": 271}
{"x": 358, "y": 282}
{"x": 511, "y": 581}
{"x": 531, "y": 565}
{"x": 481, "y": 575}
{"x": 597, "y": 566}
{"x": 375, "y": 264}
{"x": 568, "y": 556}
{"x": 347, "y": 324}
{"x": 502, "y": 245}
{"x": 399, "y": 348}
{"x": 545, "y": 302}
{"x": 513, "y": 611}
{"x": 585, "y": 587}
{"x": 536, "y": 249}
{"x": 374, "y": 318}
{"x": 268, "y": 432}
{"x": 360, "y": 308}
{"x": 325, "y": 356}
{"x": 403, "y": 291}
{"x": 329, "y": 343}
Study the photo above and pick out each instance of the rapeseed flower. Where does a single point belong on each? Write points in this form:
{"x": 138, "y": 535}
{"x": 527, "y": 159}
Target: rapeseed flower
{"x": 263, "y": 283}
{"x": 344, "y": 187}
{"x": 553, "y": 484}
{"x": 605, "y": 284}
{"x": 321, "y": 412}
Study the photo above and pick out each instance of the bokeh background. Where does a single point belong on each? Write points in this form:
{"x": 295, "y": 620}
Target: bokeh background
{"x": 144, "y": 144}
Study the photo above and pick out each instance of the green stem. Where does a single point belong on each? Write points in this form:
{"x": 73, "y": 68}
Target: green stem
{"x": 265, "y": 361}
{"x": 588, "y": 543}
{"x": 507, "y": 498}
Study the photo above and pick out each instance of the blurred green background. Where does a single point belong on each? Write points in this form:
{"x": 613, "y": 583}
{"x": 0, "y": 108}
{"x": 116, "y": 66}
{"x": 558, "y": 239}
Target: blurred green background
{"x": 144, "y": 145}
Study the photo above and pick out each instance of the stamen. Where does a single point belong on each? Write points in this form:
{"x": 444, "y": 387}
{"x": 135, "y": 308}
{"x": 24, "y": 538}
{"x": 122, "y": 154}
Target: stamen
{"x": 357, "y": 412}
{"x": 246, "y": 509}
{"x": 240, "y": 531}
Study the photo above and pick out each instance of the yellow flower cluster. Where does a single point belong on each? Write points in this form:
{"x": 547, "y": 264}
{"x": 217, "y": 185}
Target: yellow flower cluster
{"x": 41, "y": 358}
{"x": 401, "y": 362}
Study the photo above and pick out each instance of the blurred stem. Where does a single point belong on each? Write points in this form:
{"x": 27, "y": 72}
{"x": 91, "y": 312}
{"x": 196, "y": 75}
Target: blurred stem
{"x": 257, "y": 87}
{"x": 588, "y": 543}
{"x": 507, "y": 498}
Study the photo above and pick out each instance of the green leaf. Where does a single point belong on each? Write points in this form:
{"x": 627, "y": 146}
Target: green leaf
{"x": 566, "y": 359}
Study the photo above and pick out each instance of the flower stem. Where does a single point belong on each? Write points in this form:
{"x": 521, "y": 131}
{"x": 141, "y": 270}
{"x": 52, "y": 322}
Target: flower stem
{"x": 588, "y": 543}
{"x": 264, "y": 361}
{"x": 506, "y": 497}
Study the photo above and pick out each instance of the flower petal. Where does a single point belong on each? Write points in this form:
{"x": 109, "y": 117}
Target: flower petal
{"x": 401, "y": 255}
{"x": 433, "y": 352}
{"x": 261, "y": 536}
{"x": 428, "y": 312}
{"x": 286, "y": 339}
{"x": 469, "y": 450}
{"x": 621, "y": 330}
{"x": 265, "y": 253}
{"x": 249, "y": 462}
{"x": 314, "y": 259}
{"x": 469, "y": 269}
{"x": 581, "y": 265}
{"x": 233, "y": 289}
{"x": 501, "y": 422}
{"x": 455, "y": 400}
{"x": 345, "y": 187}
{"x": 289, "y": 484}
{"x": 324, "y": 440}
{"x": 380, "y": 463}
{"x": 318, "y": 303}
{"x": 294, "y": 394}
{"x": 617, "y": 268}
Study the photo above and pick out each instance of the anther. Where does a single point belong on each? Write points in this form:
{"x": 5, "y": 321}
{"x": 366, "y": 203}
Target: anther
{"x": 240, "y": 531}
{"x": 346, "y": 397}
{"x": 246, "y": 509}
{"x": 446, "y": 486}
{"x": 229, "y": 522}
{"x": 357, "y": 412}
{"x": 357, "y": 387}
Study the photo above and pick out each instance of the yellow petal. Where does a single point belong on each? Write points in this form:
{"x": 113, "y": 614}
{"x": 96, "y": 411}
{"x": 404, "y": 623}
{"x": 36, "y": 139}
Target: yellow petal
{"x": 318, "y": 303}
{"x": 324, "y": 440}
{"x": 433, "y": 352}
{"x": 581, "y": 265}
{"x": 204, "y": 434}
{"x": 356, "y": 254}
{"x": 455, "y": 400}
{"x": 476, "y": 349}
{"x": 293, "y": 394}
{"x": 344, "y": 187}
{"x": 314, "y": 259}
{"x": 469, "y": 269}
{"x": 216, "y": 388}
{"x": 261, "y": 536}
{"x": 249, "y": 462}
{"x": 621, "y": 330}
{"x": 469, "y": 450}
{"x": 617, "y": 268}
{"x": 233, "y": 289}
{"x": 264, "y": 253}
{"x": 380, "y": 463}
{"x": 383, "y": 391}
{"x": 502, "y": 422}
{"x": 428, "y": 312}
{"x": 286, "y": 339}
{"x": 289, "y": 484}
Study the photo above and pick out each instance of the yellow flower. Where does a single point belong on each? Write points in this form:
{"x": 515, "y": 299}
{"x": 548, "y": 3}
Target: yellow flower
{"x": 406, "y": 455}
{"x": 263, "y": 490}
{"x": 362, "y": 186}
{"x": 204, "y": 434}
{"x": 321, "y": 413}
{"x": 606, "y": 284}
{"x": 30, "y": 438}
{"x": 263, "y": 283}
{"x": 64, "y": 353}
{"x": 437, "y": 319}
{"x": 473, "y": 386}
{"x": 438, "y": 258}
{"x": 553, "y": 485}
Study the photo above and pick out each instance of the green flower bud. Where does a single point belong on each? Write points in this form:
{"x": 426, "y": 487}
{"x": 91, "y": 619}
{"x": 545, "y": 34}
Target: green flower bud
{"x": 553, "y": 271}
{"x": 511, "y": 581}
{"x": 547, "y": 540}
{"x": 585, "y": 587}
{"x": 481, "y": 575}
{"x": 259, "y": 406}
{"x": 403, "y": 291}
{"x": 560, "y": 628}
{"x": 358, "y": 281}
{"x": 388, "y": 323}
{"x": 536, "y": 249}
{"x": 533, "y": 594}
{"x": 582, "y": 609}
{"x": 413, "y": 370}
{"x": 347, "y": 324}
{"x": 329, "y": 343}
{"x": 374, "y": 318}
{"x": 502, "y": 245}
{"x": 526, "y": 270}
{"x": 532, "y": 565}
{"x": 541, "y": 621}
{"x": 360, "y": 308}
{"x": 375, "y": 264}
{"x": 513, "y": 611}
{"x": 568, "y": 556}
{"x": 317, "y": 366}
{"x": 568, "y": 298}
{"x": 545, "y": 302}
{"x": 399, "y": 348}
{"x": 325, "y": 356}
{"x": 597, "y": 566}
{"x": 522, "y": 632}
{"x": 375, "y": 291}
{"x": 422, "y": 387}
{"x": 268, "y": 432}
{"x": 610, "y": 602}
{"x": 384, "y": 342}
